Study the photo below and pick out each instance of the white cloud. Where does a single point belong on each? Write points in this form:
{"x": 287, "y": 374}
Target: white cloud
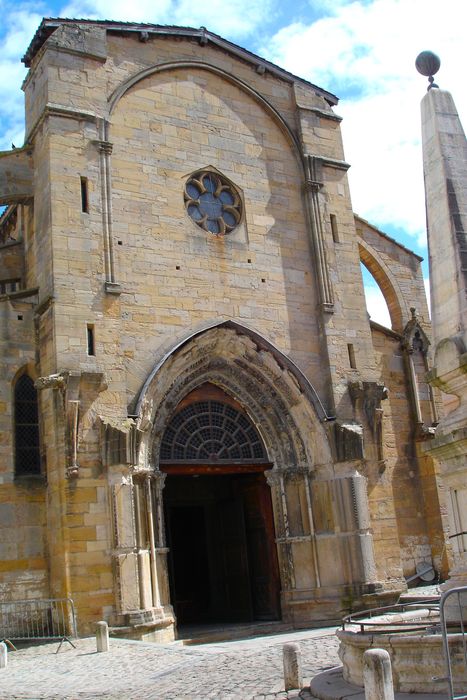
{"x": 367, "y": 51}
{"x": 237, "y": 18}
{"x": 22, "y": 21}
{"x": 137, "y": 11}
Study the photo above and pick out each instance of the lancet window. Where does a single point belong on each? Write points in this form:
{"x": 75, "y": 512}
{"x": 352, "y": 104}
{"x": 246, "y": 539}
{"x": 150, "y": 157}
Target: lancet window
{"x": 26, "y": 428}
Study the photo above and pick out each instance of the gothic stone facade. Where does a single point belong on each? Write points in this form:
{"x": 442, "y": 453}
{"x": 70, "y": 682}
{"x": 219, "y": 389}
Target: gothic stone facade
{"x": 198, "y": 420}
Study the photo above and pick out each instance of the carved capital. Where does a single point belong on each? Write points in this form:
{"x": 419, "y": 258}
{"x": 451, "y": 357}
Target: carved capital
{"x": 105, "y": 147}
{"x": 312, "y": 186}
{"x": 313, "y": 171}
{"x": 295, "y": 473}
{"x": 158, "y": 479}
{"x": 273, "y": 477}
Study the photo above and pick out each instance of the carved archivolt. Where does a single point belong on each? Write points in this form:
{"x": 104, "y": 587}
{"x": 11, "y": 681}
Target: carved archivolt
{"x": 287, "y": 422}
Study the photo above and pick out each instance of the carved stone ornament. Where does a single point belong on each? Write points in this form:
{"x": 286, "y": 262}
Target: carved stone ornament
{"x": 250, "y": 374}
{"x": 348, "y": 441}
{"x": 367, "y": 398}
{"x": 53, "y": 381}
{"x": 72, "y": 385}
{"x": 413, "y": 336}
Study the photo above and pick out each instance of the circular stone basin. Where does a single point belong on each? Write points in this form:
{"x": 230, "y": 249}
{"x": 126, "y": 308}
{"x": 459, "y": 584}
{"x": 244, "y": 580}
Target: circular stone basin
{"x": 416, "y": 656}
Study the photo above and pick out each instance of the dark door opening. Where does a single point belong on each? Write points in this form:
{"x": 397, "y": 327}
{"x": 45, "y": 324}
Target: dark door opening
{"x": 222, "y": 562}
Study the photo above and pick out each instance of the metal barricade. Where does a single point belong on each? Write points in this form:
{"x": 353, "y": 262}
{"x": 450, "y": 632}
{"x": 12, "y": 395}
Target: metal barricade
{"x": 453, "y": 620}
{"x": 31, "y": 620}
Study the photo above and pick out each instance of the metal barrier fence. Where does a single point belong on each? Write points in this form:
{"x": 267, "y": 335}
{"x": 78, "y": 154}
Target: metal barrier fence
{"x": 454, "y": 612}
{"x": 30, "y": 620}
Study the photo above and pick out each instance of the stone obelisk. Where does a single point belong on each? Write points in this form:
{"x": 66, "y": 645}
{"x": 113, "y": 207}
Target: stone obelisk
{"x": 445, "y": 172}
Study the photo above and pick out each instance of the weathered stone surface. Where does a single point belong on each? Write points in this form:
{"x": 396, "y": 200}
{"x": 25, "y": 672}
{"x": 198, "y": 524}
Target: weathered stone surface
{"x": 138, "y": 308}
{"x": 292, "y": 666}
{"x": 445, "y": 168}
{"x": 377, "y": 676}
{"x": 16, "y": 175}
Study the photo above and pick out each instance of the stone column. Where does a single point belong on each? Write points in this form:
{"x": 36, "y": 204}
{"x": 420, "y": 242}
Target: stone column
{"x": 312, "y": 530}
{"x": 353, "y": 518}
{"x": 152, "y": 543}
{"x": 275, "y": 480}
{"x": 105, "y": 151}
{"x": 161, "y": 551}
{"x": 312, "y": 188}
{"x": 125, "y": 545}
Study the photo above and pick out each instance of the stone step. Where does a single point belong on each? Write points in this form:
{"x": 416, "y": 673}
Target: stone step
{"x": 207, "y": 634}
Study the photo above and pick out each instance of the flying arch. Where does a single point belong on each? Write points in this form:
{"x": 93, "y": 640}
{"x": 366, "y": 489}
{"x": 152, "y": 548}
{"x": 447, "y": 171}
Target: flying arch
{"x": 387, "y": 282}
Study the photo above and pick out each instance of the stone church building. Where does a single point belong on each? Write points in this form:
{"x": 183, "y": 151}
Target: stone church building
{"x": 198, "y": 421}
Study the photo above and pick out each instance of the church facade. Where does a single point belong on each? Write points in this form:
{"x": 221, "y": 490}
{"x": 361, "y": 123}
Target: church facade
{"x": 199, "y": 422}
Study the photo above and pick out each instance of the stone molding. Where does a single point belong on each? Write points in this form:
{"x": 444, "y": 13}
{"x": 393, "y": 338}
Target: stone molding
{"x": 120, "y": 91}
{"x": 252, "y": 376}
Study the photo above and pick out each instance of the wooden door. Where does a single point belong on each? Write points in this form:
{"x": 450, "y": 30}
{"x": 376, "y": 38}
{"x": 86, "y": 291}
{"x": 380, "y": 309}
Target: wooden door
{"x": 262, "y": 553}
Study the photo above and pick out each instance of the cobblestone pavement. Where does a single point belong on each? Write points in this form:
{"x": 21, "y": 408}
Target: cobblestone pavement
{"x": 237, "y": 670}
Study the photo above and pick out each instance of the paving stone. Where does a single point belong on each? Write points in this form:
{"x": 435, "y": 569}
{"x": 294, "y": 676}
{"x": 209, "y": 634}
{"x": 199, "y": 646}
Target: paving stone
{"x": 236, "y": 670}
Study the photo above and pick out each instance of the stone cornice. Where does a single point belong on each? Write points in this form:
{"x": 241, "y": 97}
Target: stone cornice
{"x": 55, "y": 110}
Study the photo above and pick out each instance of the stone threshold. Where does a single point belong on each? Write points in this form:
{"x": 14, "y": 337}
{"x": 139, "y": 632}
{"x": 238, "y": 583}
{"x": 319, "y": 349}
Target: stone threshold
{"x": 223, "y": 632}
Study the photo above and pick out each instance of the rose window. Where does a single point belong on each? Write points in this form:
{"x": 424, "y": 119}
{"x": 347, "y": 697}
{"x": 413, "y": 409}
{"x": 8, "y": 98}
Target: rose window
{"x": 212, "y": 203}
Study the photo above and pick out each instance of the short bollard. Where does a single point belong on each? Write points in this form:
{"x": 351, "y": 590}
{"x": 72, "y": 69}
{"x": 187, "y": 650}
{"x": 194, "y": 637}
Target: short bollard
{"x": 292, "y": 666}
{"x": 3, "y": 655}
{"x": 377, "y": 675}
{"x": 102, "y": 636}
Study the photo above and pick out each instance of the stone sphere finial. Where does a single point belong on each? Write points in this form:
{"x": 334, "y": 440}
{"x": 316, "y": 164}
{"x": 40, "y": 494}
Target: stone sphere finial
{"x": 428, "y": 63}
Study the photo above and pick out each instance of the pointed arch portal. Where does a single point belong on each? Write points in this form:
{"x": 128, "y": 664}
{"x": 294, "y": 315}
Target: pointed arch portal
{"x": 230, "y": 431}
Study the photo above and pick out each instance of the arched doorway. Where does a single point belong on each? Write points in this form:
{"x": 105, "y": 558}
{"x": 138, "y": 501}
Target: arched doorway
{"x": 218, "y": 513}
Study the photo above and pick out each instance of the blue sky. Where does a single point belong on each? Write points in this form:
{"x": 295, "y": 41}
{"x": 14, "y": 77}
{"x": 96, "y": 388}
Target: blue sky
{"x": 363, "y": 51}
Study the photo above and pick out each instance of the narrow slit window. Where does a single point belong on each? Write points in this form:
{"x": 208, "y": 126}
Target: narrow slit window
{"x": 90, "y": 339}
{"x": 84, "y": 195}
{"x": 334, "y": 229}
{"x": 351, "y": 351}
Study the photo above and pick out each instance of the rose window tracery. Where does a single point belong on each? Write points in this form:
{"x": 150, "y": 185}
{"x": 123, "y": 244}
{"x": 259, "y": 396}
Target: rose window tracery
{"x": 212, "y": 202}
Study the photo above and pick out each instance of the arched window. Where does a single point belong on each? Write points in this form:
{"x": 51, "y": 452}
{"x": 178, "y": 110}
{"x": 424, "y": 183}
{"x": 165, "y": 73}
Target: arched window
{"x": 211, "y": 431}
{"x": 27, "y": 453}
